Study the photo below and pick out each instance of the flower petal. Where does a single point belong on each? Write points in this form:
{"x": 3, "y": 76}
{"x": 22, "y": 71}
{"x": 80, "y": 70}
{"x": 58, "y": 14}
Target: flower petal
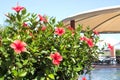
{"x": 56, "y": 62}
{"x": 13, "y": 46}
{"x": 18, "y": 46}
{"x": 52, "y": 56}
{"x": 17, "y": 51}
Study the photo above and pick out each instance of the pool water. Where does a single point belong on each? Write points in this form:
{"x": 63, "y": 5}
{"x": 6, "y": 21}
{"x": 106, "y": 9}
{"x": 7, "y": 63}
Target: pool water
{"x": 103, "y": 74}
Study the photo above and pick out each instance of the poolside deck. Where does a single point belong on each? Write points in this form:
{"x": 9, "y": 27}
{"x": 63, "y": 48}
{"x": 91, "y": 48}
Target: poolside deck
{"x": 107, "y": 66}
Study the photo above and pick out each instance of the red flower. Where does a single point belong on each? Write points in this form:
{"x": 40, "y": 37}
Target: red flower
{"x": 42, "y": 18}
{"x": 18, "y": 46}
{"x": 25, "y": 24}
{"x": 43, "y": 28}
{"x": 84, "y": 78}
{"x": 90, "y": 42}
{"x": 95, "y": 32}
{"x": 70, "y": 28}
{"x": 110, "y": 47}
{"x": 56, "y": 58}
{"x": 18, "y": 8}
{"x": 83, "y": 38}
{"x": 59, "y": 31}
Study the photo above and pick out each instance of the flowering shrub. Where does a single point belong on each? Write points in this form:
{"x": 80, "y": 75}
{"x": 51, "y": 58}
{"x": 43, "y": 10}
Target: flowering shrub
{"x": 37, "y": 47}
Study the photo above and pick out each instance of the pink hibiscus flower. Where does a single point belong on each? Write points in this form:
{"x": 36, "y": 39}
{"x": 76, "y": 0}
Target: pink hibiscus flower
{"x": 43, "y": 28}
{"x": 57, "y": 58}
{"x": 59, "y": 31}
{"x": 83, "y": 38}
{"x": 95, "y": 32}
{"x": 87, "y": 40}
{"x": 18, "y": 46}
{"x": 42, "y": 18}
{"x": 18, "y": 8}
{"x": 90, "y": 43}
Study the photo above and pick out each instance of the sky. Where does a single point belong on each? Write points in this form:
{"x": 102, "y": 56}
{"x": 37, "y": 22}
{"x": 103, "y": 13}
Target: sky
{"x": 60, "y": 9}
{"x": 56, "y": 8}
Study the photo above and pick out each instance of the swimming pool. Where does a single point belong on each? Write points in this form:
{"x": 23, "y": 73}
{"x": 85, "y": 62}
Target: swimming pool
{"x": 104, "y": 74}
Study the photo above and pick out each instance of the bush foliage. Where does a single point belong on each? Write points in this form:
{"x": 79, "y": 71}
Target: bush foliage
{"x": 36, "y": 47}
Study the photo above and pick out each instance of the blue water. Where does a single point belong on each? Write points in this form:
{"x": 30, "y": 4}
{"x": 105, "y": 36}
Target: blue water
{"x": 103, "y": 74}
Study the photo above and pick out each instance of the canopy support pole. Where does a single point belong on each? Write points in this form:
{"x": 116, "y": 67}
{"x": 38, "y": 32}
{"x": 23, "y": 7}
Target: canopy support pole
{"x": 72, "y": 24}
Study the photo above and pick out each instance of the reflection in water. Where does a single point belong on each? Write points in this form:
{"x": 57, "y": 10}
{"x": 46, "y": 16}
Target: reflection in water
{"x": 104, "y": 74}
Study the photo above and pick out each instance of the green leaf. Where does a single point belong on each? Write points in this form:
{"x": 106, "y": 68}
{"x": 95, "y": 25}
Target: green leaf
{"x": 43, "y": 51}
{"x": 25, "y": 62}
{"x": 14, "y": 72}
{"x": 51, "y": 76}
{"x": 22, "y": 74}
{"x": 18, "y": 17}
{"x": 23, "y": 11}
{"x": 53, "y": 20}
{"x": 19, "y": 64}
{"x": 73, "y": 60}
{"x": 25, "y": 16}
{"x": 42, "y": 78}
{"x": 78, "y": 69}
{"x": 36, "y": 54}
{"x": 2, "y": 78}
{"x": 33, "y": 60}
